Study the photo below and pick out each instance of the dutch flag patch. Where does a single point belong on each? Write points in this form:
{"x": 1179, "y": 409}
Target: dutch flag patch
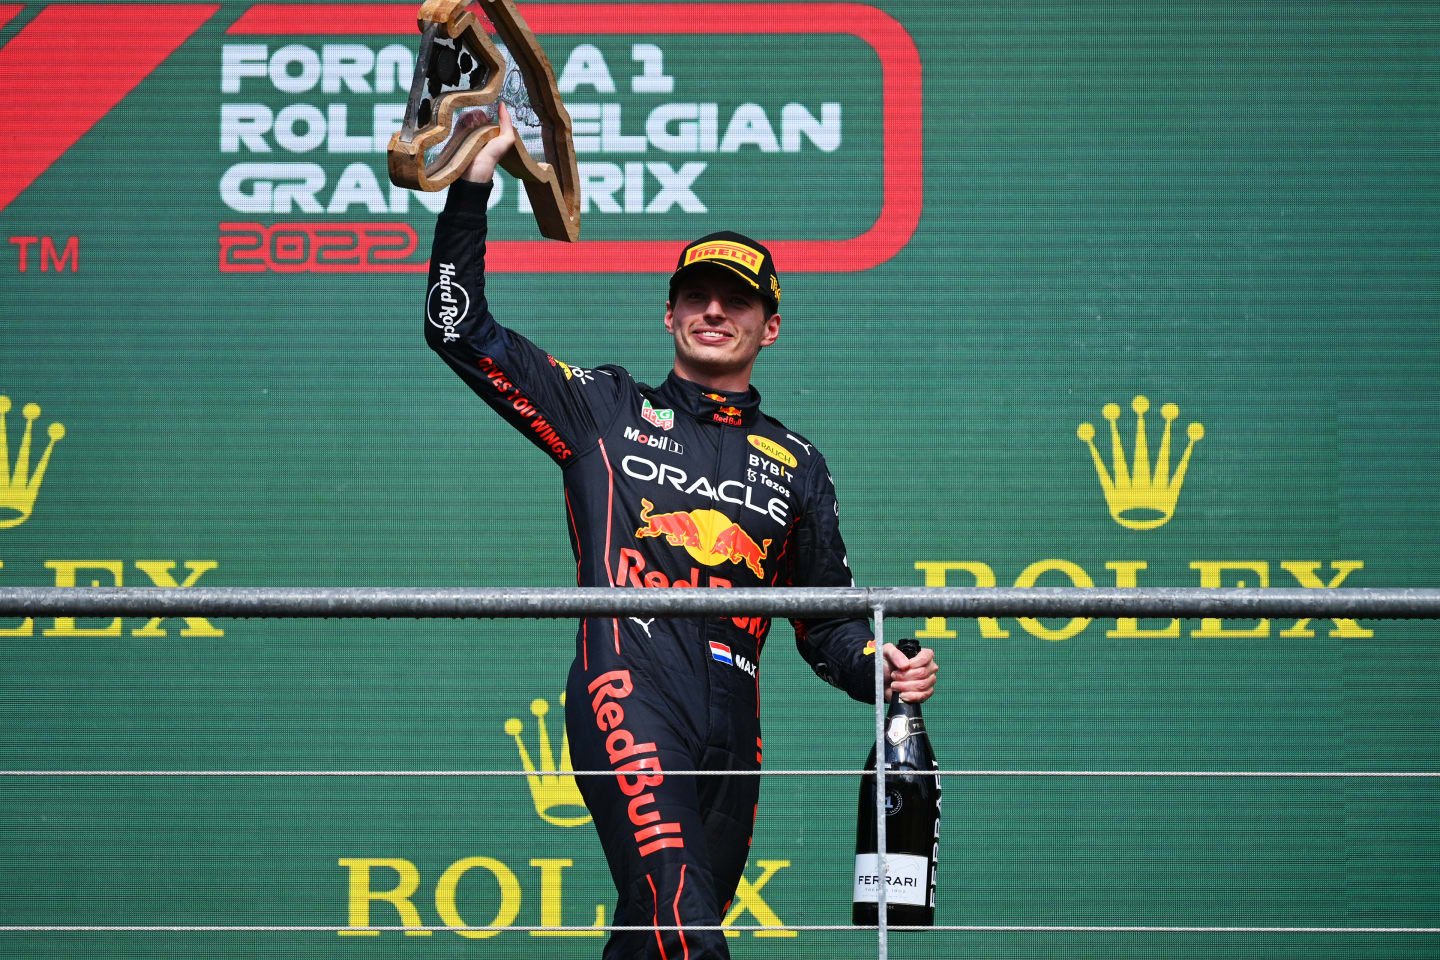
{"x": 718, "y": 651}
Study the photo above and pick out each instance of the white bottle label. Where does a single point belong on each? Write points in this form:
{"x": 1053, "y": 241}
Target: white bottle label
{"x": 905, "y": 883}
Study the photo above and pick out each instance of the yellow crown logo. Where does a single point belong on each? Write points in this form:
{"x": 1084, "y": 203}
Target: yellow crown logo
{"x": 553, "y": 788}
{"x": 1141, "y": 498}
{"x": 19, "y": 487}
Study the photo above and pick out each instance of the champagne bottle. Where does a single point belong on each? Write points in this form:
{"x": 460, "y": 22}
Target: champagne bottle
{"x": 912, "y": 821}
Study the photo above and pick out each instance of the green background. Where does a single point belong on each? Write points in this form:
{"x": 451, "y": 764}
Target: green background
{"x": 1229, "y": 207}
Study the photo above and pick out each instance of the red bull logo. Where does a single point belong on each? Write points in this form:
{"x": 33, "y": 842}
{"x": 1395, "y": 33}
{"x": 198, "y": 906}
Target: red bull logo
{"x": 728, "y": 415}
{"x": 707, "y": 535}
{"x": 737, "y": 546}
{"x": 679, "y": 528}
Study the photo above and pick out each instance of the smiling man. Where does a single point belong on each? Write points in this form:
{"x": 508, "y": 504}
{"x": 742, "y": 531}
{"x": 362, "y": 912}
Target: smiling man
{"x": 723, "y": 308}
{"x": 687, "y": 484}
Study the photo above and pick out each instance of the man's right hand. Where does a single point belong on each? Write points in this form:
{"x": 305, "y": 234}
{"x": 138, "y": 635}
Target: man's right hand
{"x": 482, "y": 168}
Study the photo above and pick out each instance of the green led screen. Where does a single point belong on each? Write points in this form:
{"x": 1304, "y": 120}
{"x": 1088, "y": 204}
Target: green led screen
{"x": 1009, "y": 234}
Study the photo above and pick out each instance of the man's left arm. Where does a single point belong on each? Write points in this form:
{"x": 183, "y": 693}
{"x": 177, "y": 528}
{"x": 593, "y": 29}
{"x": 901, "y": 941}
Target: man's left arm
{"x": 839, "y": 649}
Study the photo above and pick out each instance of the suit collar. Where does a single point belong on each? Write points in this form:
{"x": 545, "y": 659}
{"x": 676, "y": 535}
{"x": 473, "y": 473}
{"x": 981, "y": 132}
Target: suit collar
{"x": 712, "y": 406}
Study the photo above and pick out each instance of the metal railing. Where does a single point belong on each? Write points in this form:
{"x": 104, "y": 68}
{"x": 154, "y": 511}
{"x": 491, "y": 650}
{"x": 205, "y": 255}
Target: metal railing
{"x": 544, "y": 602}
{"x": 877, "y": 603}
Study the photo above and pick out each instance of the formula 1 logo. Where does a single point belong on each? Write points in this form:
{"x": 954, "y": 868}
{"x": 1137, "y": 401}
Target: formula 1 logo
{"x": 108, "y": 50}
{"x": 295, "y": 89}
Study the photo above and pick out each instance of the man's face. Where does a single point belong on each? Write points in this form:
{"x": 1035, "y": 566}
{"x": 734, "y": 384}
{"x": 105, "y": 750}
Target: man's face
{"x": 719, "y": 323}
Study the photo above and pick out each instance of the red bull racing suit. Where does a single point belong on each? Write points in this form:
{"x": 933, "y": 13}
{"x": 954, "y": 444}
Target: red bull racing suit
{"x": 669, "y": 486}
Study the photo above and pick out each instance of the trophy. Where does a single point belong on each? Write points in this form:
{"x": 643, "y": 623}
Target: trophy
{"x": 461, "y": 77}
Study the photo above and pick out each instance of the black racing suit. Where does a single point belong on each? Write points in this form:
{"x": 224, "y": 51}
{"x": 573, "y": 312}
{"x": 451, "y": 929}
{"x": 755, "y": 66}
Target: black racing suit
{"x": 669, "y": 486}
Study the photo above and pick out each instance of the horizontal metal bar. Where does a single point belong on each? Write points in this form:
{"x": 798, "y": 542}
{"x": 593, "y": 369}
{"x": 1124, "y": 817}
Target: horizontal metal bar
{"x": 568, "y": 602}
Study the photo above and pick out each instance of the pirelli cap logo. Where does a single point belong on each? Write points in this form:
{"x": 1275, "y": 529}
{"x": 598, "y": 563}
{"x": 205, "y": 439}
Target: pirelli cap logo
{"x": 747, "y": 257}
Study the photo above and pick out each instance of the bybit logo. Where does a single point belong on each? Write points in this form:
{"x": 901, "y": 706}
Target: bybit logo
{"x": 1139, "y": 497}
{"x": 554, "y": 787}
{"x": 19, "y": 487}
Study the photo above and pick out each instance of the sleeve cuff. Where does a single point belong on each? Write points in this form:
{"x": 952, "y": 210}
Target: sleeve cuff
{"x": 468, "y": 197}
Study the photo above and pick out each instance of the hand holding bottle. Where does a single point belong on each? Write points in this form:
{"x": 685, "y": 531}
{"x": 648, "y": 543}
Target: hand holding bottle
{"x": 913, "y": 674}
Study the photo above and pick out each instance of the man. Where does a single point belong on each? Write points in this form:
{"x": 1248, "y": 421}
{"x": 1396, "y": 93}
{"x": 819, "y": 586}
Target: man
{"x": 684, "y": 485}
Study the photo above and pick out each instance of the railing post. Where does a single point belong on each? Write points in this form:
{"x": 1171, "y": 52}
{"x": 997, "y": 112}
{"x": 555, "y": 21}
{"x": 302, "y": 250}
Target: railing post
{"x": 883, "y": 946}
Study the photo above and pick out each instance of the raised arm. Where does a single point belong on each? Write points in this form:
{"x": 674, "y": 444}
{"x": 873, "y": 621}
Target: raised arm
{"x": 553, "y": 403}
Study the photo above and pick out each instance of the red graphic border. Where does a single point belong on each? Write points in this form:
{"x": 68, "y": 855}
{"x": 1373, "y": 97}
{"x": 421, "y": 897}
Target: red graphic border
{"x": 38, "y": 65}
{"x": 901, "y": 92}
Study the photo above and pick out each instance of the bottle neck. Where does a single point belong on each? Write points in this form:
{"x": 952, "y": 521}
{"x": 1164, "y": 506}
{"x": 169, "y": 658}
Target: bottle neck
{"x": 900, "y": 707}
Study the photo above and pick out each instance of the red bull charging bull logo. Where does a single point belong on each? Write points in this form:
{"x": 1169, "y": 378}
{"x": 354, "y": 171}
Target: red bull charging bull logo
{"x": 708, "y": 536}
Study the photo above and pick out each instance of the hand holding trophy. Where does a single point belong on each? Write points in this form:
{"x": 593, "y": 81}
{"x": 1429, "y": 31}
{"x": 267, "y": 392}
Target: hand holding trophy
{"x": 461, "y": 78}
{"x": 497, "y": 140}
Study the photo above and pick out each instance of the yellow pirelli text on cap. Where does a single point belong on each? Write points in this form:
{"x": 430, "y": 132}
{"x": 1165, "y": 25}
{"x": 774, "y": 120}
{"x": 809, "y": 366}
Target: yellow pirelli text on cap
{"x": 772, "y": 450}
{"x": 747, "y": 257}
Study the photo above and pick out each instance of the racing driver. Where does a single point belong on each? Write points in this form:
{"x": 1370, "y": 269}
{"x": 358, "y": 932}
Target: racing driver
{"x": 687, "y": 484}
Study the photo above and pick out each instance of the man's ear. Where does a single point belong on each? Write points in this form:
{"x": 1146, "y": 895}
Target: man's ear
{"x": 669, "y": 318}
{"x": 772, "y": 330}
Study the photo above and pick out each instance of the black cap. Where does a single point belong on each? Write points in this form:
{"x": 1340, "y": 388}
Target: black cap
{"x": 746, "y": 258}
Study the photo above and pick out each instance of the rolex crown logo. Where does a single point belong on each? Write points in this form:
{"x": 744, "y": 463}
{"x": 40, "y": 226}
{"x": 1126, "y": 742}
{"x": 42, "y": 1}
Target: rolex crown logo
{"x": 556, "y": 795}
{"x": 18, "y": 486}
{"x": 1141, "y": 497}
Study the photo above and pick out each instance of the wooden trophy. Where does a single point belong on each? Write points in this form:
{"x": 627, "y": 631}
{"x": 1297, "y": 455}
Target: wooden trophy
{"x": 458, "y": 73}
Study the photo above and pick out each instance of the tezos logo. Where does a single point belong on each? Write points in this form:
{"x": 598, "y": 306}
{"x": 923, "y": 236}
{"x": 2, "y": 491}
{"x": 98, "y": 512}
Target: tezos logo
{"x": 447, "y": 303}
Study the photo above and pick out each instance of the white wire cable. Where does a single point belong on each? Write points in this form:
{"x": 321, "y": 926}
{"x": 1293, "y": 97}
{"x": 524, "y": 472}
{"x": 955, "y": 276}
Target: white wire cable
{"x": 1217, "y": 774}
{"x": 738, "y": 928}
